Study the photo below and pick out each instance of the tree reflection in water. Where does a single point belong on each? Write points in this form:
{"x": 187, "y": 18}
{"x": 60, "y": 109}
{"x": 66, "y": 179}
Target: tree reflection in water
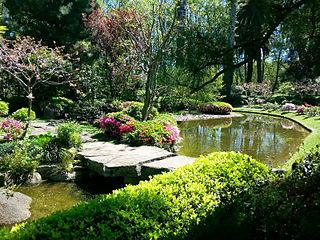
{"x": 268, "y": 139}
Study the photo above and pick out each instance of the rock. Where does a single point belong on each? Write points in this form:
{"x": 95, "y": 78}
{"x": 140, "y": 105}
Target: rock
{"x": 14, "y": 207}
{"x": 53, "y": 173}
{"x": 34, "y": 179}
{"x": 164, "y": 165}
{"x": 120, "y": 160}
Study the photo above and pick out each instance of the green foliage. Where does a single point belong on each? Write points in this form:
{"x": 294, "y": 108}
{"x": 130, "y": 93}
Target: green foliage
{"x": 285, "y": 209}
{"x": 16, "y": 102}
{"x": 4, "y": 108}
{"x": 134, "y": 109}
{"x": 22, "y": 115}
{"x": 166, "y": 205}
{"x": 6, "y": 148}
{"x": 19, "y": 163}
{"x": 68, "y": 135}
{"x": 167, "y": 118}
{"x": 59, "y": 106}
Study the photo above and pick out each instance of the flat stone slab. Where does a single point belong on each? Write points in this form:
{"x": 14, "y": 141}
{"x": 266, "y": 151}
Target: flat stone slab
{"x": 14, "y": 207}
{"x": 165, "y": 165}
{"x": 112, "y": 160}
{"x": 190, "y": 117}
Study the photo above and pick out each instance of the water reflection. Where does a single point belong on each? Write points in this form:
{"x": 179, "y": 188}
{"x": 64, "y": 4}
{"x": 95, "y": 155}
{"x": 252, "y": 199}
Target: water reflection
{"x": 268, "y": 139}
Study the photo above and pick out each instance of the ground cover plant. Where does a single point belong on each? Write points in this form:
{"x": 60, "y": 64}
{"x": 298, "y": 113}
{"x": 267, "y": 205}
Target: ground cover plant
{"x": 165, "y": 205}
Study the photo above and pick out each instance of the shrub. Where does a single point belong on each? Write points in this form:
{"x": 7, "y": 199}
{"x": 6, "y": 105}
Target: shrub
{"x": 312, "y": 111}
{"x": 58, "y": 106}
{"x": 68, "y": 135}
{"x": 22, "y": 115}
{"x": 17, "y": 102}
{"x": 300, "y": 110}
{"x": 284, "y": 209}
{"x": 19, "y": 164}
{"x": 167, "y": 118}
{"x": 260, "y": 101}
{"x": 4, "y": 108}
{"x": 6, "y": 148}
{"x": 271, "y": 106}
{"x": 12, "y": 129}
{"x": 116, "y": 124}
{"x": 215, "y": 108}
{"x": 167, "y": 204}
{"x": 134, "y": 109}
{"x": 153, "y": 133}
{"x": 288, "y": 107}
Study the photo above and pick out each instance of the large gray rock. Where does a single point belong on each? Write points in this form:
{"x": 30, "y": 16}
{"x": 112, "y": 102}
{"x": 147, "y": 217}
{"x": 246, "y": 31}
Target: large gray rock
{"x": 34, "y": 179}
{"x": 111, "y": 160}
{"x": 165, "y": 165}
{"x": 54, "y": 173}
{"x": 14, "y": 207}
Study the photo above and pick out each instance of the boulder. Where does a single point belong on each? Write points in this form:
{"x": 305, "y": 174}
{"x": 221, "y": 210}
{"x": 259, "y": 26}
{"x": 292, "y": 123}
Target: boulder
{"x": 34, "y": 179}
{"x": 14, "y": 207}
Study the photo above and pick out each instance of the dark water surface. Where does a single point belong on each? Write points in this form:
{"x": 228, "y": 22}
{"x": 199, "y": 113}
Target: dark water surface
{"x": 270, "y": 140}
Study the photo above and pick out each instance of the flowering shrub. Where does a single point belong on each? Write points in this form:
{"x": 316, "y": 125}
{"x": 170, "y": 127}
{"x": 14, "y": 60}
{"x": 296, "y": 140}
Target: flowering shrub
{"x": 300, "y": 110}
{"x": 12, "y": 129}
{"x": 215, "y": 108}
{"x": 288, "y": 107}
{"x": 260, "y": 101}
{"x": 134, "y": 109}
{"x": 271, "y": 106}
{"x": 116, "y": 124}
{"x": 153, "y": 133}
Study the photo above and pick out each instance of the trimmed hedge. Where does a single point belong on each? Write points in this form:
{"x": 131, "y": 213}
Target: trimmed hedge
{"x": 215, "y": 108}
{"x": 165, "y": 205}
{"x": 134, "y": 109}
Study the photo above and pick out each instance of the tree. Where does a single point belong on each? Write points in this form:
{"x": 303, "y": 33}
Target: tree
{"x": 48, "y": 21}
{"x": 30, "y": 64}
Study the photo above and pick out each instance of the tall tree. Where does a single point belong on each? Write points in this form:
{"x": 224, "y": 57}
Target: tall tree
{"x": 50, "y": 21}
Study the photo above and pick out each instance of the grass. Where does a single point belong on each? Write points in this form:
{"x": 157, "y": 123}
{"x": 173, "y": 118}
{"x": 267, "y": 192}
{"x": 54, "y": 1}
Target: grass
{"x": 310, "y": 123}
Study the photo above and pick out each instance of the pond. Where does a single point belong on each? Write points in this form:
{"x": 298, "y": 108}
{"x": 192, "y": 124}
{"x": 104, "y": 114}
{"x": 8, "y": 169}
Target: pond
{"x": 270, "y": 140}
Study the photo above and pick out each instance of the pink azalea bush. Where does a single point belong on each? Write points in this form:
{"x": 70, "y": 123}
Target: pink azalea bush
{"x": 215, "y": 108}
{"x": 116, "y": 124}
{"x": 12, "y": 129}
{"x": 300, "y": 110}
{"x": 288, "y": 107}
{"x": 158, "y": 132}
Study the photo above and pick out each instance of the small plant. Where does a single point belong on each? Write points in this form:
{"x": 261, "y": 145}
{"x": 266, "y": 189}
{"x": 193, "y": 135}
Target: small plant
{"x": 68, "y": 135}
{"x": 4, "y": 108}
{"x": 271, "y": 106}
{"x": 260, "y": 101}
{"x": 12, "y": 129}
{"x": 312, "y": 111}
{"x": 288, "y": 107}
{"x": 22, "y": 115}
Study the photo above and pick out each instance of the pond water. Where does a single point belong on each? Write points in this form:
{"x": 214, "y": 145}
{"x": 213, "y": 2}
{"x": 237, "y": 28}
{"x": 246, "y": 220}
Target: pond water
{"x": 49, "y": 197}
{"x": 270, "y": 140}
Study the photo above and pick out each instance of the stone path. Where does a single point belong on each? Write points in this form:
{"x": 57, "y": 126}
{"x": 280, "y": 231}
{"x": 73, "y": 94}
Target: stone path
{"x": 121, "y": 160}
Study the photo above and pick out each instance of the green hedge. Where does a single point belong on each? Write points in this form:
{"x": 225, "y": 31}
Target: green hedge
{"x": 22, "y": 115}
{"x": 165, "y": 205}
{"x": 215, "y": 108}
{"x": 134, "y": 109}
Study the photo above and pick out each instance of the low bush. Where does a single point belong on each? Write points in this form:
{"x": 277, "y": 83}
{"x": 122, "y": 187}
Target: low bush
{"x": 4, "y": 108}
{"x": 288, "y": 107}
{"x": 134, "y": 109}
{"x": 271, "y": 106}
{"x": 153, "y": 133}
{"x": 68, "y": 135}
{"x": 22, "y": 115}
{"x": 312, "y": 111}
{"x": 116, "y": 124}
{"x": 167, "y": 118}
{"x": 57, "y": 107}
{"x": 215, "y": 108}
{"x": 284, "y": 209}
{"x": 166, "y": 205}
{"x": 19, "y": 163}
{"x": 12, "y": 130}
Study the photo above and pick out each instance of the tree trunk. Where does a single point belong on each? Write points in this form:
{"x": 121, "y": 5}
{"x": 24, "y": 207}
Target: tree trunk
{"x": 249, "y": 71}
{"x": 228, "y": 59}
{"x": 148, "y": 95}
{"x": 181, "y": 16}
{"x": 259, "y": 68}
{"x": 277, "y": 72}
